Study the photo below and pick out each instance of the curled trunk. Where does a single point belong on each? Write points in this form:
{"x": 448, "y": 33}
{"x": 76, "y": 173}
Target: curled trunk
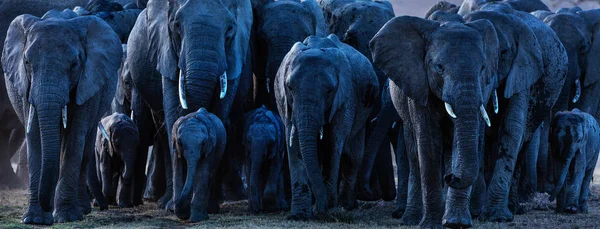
{"x": 255, "y": 193}
{"x": 182, "y": 205}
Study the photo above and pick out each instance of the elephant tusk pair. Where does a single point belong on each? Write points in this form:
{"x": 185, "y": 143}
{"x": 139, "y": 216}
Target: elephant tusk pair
{"x": 64, "y": 117}
{"x": 104, "y": 133}
{"x": 481, "y": 110}
{"x": 496, "y": 107}
{"x": 30, "y": 119}
{"x": 577, "y": 91}
{"x": 182, "y": 94}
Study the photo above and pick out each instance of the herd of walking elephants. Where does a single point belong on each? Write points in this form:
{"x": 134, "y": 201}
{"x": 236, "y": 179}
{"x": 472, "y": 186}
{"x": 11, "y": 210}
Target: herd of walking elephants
{"x": 299, "y": 106}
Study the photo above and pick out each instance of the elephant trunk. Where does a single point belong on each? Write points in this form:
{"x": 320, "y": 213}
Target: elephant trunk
{"x": 182, "y": 205}
{"x": 107, "y": 179}
{"x": 308, "y": 124}
{"x": 255, "y": 193}
{"x": 49, "y": 116}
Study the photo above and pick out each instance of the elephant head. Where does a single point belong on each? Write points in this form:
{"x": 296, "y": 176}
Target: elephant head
{"x": 117, "y": 139}
{"x": 199, "y": 44}
{"x": 264, "y": 141}
{"x": 581, "y": 38}
{"x": 194, "y": 141}
{"x": 53, "y": 64}
{"x": 430, "y": 63}
{"x": 568, "y": 158}
{"x": 442, "y": 6}
{"x": 469, "y": 6}
{"x": 277, "y": 31}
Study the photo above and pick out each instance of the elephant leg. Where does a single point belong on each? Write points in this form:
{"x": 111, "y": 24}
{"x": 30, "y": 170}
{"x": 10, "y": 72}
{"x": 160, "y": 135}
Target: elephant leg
{"x": 542, "y": 161}
{"x": 585, "y": 188}
{"x": 149, "y": 192}
{"x": 34, "y": 213}
{"x": 513, "y": 195}
{"x": 216, "y": 190}
{"x": 172, "y": 111}
{"x": 301, "y": 207}
{"x": 331, "y": 171}
{"x": 84, "y": 200}
{"x": 353, "y": 153}
{"x": 92, "y": 176}
{"x": 200, "y": 202}
{"x": 385, "y": 172}
{"x": 528, "y": 181}
{"x": 511, "y": 133}
{"x": 402, "y": 172}
{"x": 146, "y": 129}
{"x": 478, "y": 193}
{"x": 233, "y": 186}
{"x": 414, "y": 206}
{"x": 157, "y": 177}
{"x": 282, "y": 203}
{"x": 168, "y": 171}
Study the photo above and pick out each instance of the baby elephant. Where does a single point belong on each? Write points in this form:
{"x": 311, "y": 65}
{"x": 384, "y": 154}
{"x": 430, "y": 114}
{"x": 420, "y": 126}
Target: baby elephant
{"x": 199, "y": 142}
{"x": 575, "y": 138}
{"x": 264, "y": 141}
{"x": 116, "y": 152}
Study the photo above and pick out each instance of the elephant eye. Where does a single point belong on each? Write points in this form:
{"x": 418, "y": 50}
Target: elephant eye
{"x": 438, "y": 68}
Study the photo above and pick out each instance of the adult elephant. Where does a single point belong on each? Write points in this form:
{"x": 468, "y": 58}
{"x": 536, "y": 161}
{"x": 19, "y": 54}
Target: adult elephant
{"x": 424, "y": 85}
{"x": 328, "y": 85}
{"x": 527, "y": 100}
{"x": 469, "y": 6}
{"x": 198, "y": 59}
{"x": 580, "y": 35}
{"x": 355, "y": 22}
{"x": 12, "y": 132}
{"x": 52, "y": 73}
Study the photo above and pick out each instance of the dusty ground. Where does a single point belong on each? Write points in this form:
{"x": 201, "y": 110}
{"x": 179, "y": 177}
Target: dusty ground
{"x": 234, "y": 215}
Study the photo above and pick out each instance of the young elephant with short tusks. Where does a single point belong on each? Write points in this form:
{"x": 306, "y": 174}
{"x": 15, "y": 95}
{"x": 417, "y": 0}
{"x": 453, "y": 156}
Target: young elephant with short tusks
{"x": 117, "y": 140}
{"x": 264, "y": 141}
{"x": 575, "y": 138}
{"x": 61, "y": 74}
{"x": 198, "y": 143}
{"x": 324, "y": 90}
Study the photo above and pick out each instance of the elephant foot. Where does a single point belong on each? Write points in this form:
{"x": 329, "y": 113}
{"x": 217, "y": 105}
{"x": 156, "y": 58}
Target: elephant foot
{"x": 349, "y": 205}
{"x": 170, "y": 206}
{"x": 126, "y": 204}
{"x": 35, "y": 215}
{"x": 457, "y": 218}
{"x": 365, "y": 193}
{"x": 398, "y": 212}
{"x": 301, "y": 216}
{"x": 198, "y": 216}
{"x": 71, "y": 214}
{"x": 497, "y": 214}
{"x": 411, "y": 218}
{"x": 164, "y": 200}
{"x": 283, "y": 205}
{"x": 430, "y": 223}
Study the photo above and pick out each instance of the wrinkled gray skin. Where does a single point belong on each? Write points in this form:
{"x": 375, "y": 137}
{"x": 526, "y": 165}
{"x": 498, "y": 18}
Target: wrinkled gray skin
{"x": 428, "y": 67}
{"x": 49, "y": 67}
{"x": 12, "y": 132}
{"x": 355, "y": 23}
{"x": 182, "y": 44}
{"x": 324, "y": 84}
{"x": 264, "y": 141}
{"x": 580, "y": 35}
{"x": 116, "y": 157}
{"x": 575, "y": 140}
{"x": 529, "y": 93}
{"x": 199, "y": 141}
{"x": 442, "y": 6}
{"x": 528, "y": 6}
{"x": 276, "y": 31}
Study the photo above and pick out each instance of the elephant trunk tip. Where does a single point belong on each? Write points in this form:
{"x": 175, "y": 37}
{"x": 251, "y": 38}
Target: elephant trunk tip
{"x": 456, "y": 182}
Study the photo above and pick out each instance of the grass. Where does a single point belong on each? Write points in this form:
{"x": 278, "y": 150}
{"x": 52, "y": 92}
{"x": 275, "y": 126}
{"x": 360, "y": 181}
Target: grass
{"x": 235, "y": 215}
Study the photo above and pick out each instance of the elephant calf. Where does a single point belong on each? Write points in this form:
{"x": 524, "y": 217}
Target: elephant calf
{"x": 117, "y": 140}
{"x": 264, "y": 141}
{"x": 575, "y": 138}
{"x": 198, "y": 142}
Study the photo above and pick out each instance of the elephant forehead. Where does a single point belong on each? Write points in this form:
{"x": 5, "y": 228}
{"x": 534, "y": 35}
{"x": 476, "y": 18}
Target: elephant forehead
{"x": 457, "y": 42}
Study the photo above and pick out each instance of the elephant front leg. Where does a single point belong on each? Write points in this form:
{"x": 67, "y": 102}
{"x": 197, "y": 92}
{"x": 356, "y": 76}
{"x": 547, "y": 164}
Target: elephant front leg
{"x": 172, "y": 111}
{"x": 200, "y": 201}
{"x": 34, "y": 213}
{"x": 511, "y": 133}
{"x": 353, "y": 155}
{"x": 413, "y": 212}
{"x": 402, "y": 172}
{"x": 331, "y": 170}
{"x": 301, "y": 207}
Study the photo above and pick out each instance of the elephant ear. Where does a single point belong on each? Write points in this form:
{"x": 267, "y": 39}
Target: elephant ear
{"x": 527, "y": 65}
{"x": 238, "y": 49}
{"x": 158, "y": 36}
{"x": 491, "y": 47}
{"x": 319, "y": 25}
{"x": 12, "y": 56}
{"x": 398, "y": 49}
{"x": 541, "y": 14}
{"x": 103, "y": 57}
{"x": 592, "y": 72}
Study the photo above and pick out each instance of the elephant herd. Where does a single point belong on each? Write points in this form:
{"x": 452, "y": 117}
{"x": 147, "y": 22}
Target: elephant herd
{"x": 299, "y": 106}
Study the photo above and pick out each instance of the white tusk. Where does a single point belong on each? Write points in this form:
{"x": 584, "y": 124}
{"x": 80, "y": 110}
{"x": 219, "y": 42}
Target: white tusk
{"x": 292, "y": 132}
{"x": 64, "y": 117}
{"x": 131, "y": 116}
{"x": 223, "y": 81}
{"x": 393, "y": 125}
{"x": 268, "y": 86}
{"x": 182, "y": 97}
{"x": 30, "y": 119}
{"x": 485, "y": 116}
{"x": 577, "y": 91}
{"x": 104, "y": 133}
{"x": 450, "y": 110}
{"x": 321, "y": 134}
{"x": 374, "y": 119}
{"x": 496, "y": 107}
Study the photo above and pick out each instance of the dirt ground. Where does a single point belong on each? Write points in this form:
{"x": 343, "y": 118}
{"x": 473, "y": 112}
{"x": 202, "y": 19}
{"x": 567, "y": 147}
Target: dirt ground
{"x": 235, "y": 215}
